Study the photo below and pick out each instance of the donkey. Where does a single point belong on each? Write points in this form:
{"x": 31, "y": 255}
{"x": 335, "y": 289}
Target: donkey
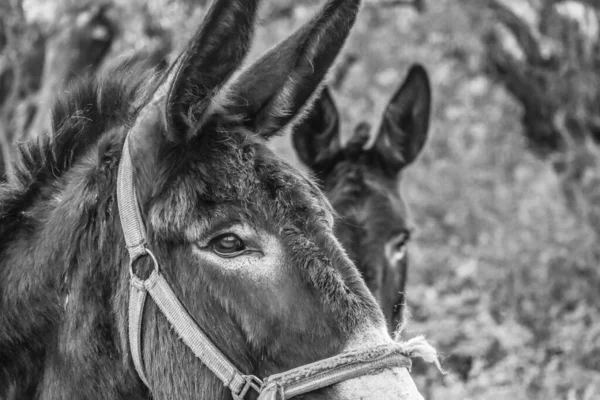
{"x": 244, "y": 240}
{"x": 363, "y": 184}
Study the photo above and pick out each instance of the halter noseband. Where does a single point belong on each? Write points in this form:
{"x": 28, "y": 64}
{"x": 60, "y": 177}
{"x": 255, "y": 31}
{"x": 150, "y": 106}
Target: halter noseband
{"x": 281, "y": 386}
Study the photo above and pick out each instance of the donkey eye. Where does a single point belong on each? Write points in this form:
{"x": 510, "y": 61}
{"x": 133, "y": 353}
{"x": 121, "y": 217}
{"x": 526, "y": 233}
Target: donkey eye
{"x": 227, "y": 245}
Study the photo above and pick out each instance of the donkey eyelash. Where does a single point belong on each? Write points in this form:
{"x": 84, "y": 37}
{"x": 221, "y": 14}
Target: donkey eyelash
{"x": 239, "y": 229}
{"x": 202, "y": 235}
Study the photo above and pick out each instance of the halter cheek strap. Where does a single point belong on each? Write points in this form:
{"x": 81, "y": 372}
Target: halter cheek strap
{"x": 160, "y": 291}
{"x": 187, "y": 330}
{"x": 281, "y": 386}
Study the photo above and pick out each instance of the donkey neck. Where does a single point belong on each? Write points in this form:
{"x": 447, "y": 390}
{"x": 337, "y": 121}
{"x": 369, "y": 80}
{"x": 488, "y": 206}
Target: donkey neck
{"x": 63, "y": 295}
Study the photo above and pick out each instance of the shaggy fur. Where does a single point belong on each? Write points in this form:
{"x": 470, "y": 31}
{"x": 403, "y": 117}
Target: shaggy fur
{"x": 364, "y": 184}
{"x": 59, "y": 236}
{"x": 64, "y": 269}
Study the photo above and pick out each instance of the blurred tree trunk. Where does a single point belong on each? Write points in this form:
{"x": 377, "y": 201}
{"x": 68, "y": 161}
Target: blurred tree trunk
{"x": 74, "y": 47}
{"x": 38, "y": 61}
{"x": 21, "y": 54}
{"x": 45, "y": 45}
{"x": 547, "y": 54}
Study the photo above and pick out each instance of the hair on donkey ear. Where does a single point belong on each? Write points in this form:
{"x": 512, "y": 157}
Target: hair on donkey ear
{"x": 271, "y": 94}
{"x": 405, "y": 123}
{"x": 317, "y": 137}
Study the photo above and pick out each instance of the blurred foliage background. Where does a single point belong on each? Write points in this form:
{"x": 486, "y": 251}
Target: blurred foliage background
{"x": 504, "y": 275}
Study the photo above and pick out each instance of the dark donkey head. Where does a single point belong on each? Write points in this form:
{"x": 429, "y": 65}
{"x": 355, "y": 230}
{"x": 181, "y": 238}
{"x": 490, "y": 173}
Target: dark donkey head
{"x": 363, "y": 184}
{"x": 244, "y": 240}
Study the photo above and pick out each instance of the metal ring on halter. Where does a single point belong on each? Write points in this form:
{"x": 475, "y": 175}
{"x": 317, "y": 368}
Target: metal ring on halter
{"x": 147, "y": 252}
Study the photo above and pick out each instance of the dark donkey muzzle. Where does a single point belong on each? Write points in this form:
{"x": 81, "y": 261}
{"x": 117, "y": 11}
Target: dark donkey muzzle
{"x": 301, "y": 380}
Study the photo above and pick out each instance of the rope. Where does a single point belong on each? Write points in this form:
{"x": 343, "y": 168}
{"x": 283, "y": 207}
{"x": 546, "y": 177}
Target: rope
{"x": 336, "y": 369}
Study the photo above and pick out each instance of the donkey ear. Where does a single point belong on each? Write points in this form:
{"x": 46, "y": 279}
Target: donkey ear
{"x": 185, "y": 93}
{"x": 317, "y": 137}
{"x": 213, "y": 54}
{"x": 405, "y": 122}
{"x": 270, "y": 95}
{"x": 216, "y": 50}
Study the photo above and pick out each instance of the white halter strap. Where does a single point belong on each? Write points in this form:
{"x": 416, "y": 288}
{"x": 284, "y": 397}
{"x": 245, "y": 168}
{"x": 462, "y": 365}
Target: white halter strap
{"x": 281, "y": 386}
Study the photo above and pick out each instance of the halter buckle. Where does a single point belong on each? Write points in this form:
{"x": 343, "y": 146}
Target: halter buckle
{"x": 252, "y": 382}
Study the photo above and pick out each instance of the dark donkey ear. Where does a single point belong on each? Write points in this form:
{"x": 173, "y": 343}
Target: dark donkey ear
{"x": 405, "y": 122}
{"x": 187, "y": 91}
{"x": 317, "y": 137}
{"x": 270, "y": 95}
{"x": 213, "y": 54}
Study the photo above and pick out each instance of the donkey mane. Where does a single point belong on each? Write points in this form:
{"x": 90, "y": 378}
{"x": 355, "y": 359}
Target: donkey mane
{"x": 90, "y": 115}
{"x": 80, "y": 116}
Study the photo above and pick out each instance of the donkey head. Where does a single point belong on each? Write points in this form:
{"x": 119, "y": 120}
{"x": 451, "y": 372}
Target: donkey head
{"x": 363, "y": 184}
{"x": 245, "y": 240}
